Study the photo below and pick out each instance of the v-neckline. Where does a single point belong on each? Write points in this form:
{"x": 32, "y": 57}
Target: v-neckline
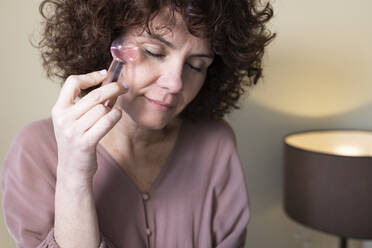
{"x": 163, "y": 168}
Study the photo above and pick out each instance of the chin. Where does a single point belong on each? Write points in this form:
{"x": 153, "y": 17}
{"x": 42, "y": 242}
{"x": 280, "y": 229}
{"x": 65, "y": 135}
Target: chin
{"x": 152, "y": 122}
{"x": 149, "y": 117}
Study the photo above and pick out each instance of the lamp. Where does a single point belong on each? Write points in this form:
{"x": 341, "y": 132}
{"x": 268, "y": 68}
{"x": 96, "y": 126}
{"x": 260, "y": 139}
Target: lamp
{"x": 328, "y": 182}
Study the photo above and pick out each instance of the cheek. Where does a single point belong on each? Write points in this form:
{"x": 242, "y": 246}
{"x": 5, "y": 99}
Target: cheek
{"x": 144, "y": 72}
{"x": 139, "y": 74}
{"x": 192, "y": 85}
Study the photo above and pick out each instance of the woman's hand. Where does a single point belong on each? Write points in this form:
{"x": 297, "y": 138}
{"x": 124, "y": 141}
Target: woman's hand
{"x": 79, "y": 126}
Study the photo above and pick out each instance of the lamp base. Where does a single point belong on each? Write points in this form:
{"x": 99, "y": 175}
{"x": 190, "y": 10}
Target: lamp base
{"x": 343, "y": 242}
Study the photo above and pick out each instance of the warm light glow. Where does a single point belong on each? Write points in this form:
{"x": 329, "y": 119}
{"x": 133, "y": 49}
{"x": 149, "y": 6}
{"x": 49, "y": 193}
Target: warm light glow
{"x": 315, "y": 93}
{"x": 343, "y": 143}
{"x": 346, "y": 150}
{"x": 318, "y": 68}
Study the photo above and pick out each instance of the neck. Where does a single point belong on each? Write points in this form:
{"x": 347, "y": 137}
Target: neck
{"x": 131, "y": 139}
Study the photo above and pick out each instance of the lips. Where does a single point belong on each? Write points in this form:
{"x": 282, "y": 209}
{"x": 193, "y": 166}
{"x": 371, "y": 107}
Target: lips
{"x": 164, "y": 104}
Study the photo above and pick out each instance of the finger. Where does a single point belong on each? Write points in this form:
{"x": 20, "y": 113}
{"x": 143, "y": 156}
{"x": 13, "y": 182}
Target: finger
{"x": 90, "y": 118}
{"x": 103, "y": 126}
{"x": 75, "y": 83}
{"x": 110, "y": 102}
{"x": 95, "y": 97}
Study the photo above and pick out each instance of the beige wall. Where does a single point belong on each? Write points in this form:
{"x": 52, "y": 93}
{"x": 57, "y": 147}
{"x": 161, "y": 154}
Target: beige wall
{"x": 25, "y": 94}
{"x": 317, "y": 76}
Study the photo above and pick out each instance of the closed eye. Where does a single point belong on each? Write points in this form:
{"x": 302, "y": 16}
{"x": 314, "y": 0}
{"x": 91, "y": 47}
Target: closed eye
{"x": 195, "y": 68}
{"x": 159, "y": 55}
{"x": 149, "y": 53}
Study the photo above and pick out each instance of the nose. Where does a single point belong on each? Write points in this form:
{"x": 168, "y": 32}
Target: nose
{"x": 171, "y": 79}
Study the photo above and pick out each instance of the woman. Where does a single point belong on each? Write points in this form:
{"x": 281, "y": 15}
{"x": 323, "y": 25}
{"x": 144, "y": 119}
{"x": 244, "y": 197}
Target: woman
{"x": 160, "y": 168}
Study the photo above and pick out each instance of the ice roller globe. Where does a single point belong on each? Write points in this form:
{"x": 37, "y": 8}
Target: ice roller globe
{"x": 121, "y": 55}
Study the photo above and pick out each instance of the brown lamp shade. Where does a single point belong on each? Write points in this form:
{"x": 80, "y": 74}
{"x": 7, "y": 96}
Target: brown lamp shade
{"x": 328, "y": 181}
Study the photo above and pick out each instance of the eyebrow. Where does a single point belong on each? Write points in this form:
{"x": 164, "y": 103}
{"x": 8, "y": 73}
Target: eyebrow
{"x": 170, "y": 45}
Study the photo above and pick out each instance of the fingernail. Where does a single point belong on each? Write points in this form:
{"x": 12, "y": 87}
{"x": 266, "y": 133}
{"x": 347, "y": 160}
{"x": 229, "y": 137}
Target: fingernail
{"x": 103, "y": 72}
{"x": 125, "y": 85}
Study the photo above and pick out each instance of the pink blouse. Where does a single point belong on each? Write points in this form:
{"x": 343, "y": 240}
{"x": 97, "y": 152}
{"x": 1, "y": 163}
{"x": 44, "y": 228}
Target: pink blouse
{"x": 199, "y": 198}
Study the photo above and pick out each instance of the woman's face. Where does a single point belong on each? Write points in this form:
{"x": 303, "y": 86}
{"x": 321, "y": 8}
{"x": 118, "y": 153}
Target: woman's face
{"x": 168, "y": 73}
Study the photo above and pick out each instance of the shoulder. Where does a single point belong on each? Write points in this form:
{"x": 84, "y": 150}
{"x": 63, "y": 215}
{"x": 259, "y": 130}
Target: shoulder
{"x": 33, "y": 149}
{"x": 36, "y": 134}
{"x": 211, "y": 130}
{"x": 212, "y": 153}
{"x": 209, "y": 141}
{"x": 28, "y": 177}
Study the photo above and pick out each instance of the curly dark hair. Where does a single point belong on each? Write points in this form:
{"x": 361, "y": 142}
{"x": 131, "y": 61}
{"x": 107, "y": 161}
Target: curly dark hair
{"x": 77, "y": 35}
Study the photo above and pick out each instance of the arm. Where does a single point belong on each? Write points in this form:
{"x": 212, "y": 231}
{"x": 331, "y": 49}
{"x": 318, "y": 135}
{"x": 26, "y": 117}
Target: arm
{"x": 34, "y": 200}
{"x": 28, "y": 186}
{"x": 75, "y": 212}
{"x": 78, "y": 127}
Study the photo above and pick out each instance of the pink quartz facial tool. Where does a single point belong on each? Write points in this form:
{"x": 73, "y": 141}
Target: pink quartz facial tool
{"x": 121, "y": 56}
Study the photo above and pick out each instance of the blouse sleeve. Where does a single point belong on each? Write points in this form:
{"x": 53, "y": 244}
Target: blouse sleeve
{"x": 231, "y": 205}
{"x": 49, "y": 242}
{"x": 28, "y": 187}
